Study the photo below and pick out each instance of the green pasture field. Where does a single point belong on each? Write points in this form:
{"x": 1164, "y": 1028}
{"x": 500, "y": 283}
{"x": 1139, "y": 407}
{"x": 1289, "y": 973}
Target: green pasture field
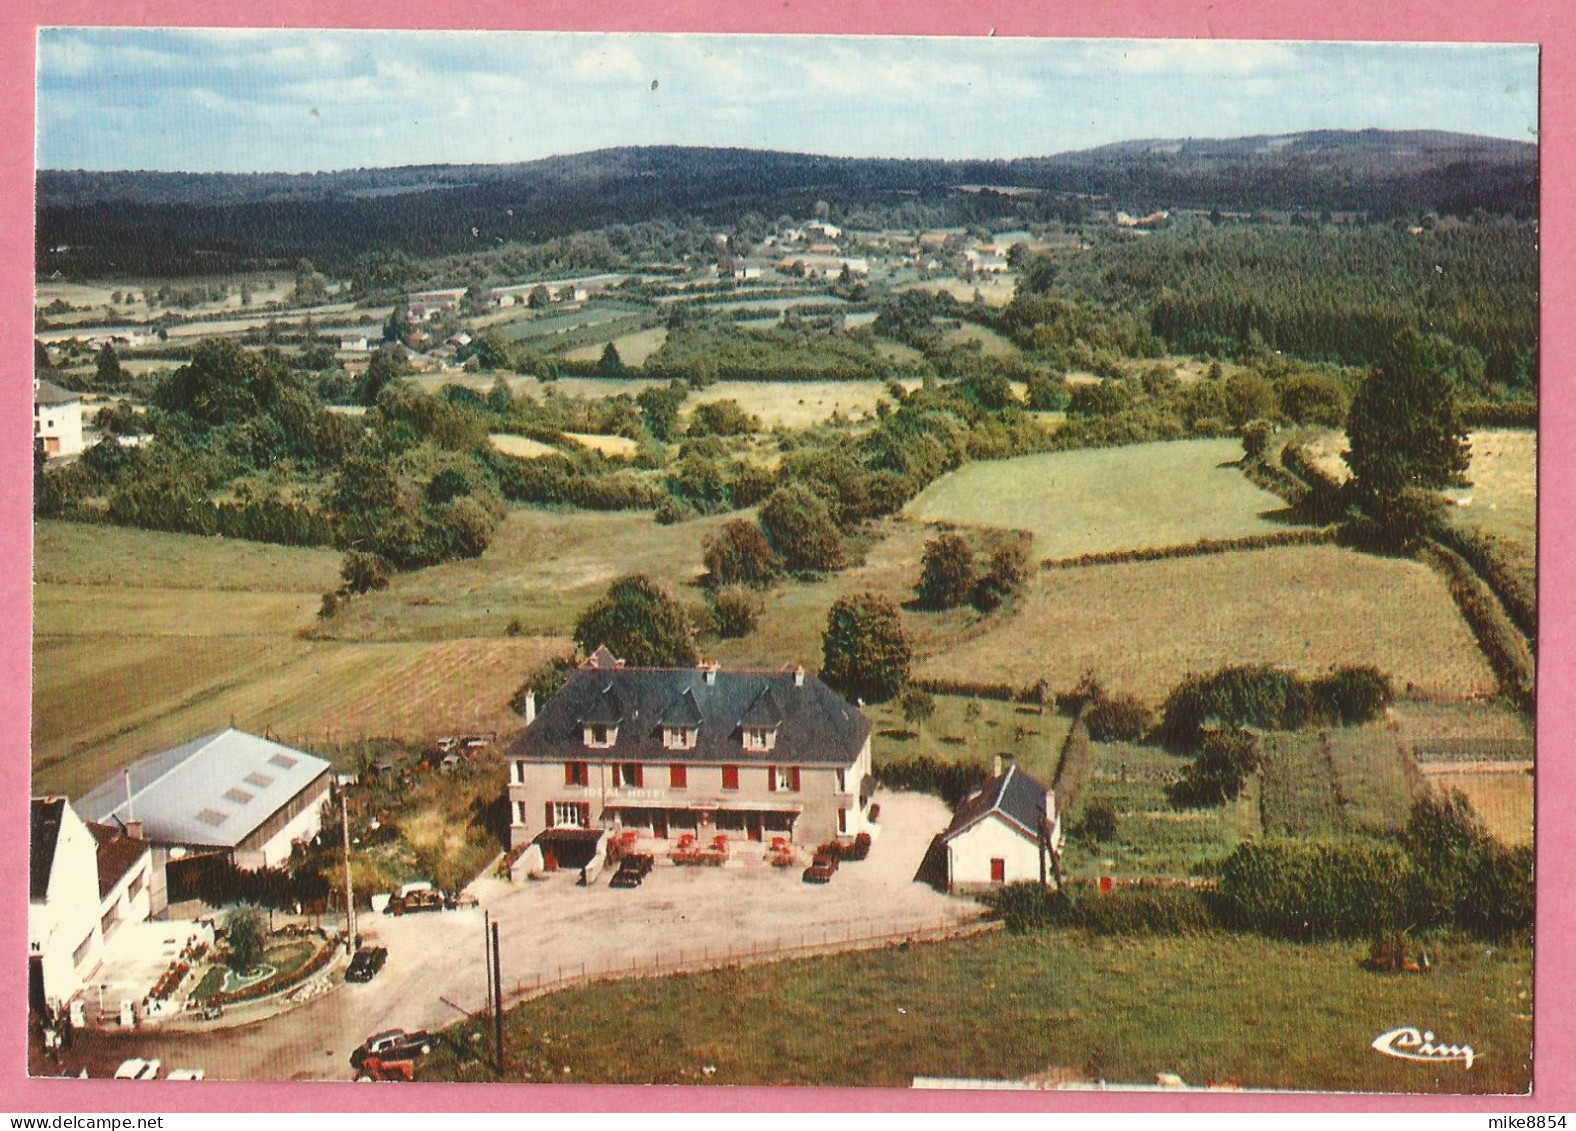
{"x": 966, "y": 729}
{"x": 1141, "y": 627}
{"x": 1143, "y": 495}
{"x": 794, "y": 613}
{"x": 1470, "y": 731}
{"x": 1503, "y": 498}
{"x": 1152, "y": 838}
{"x": 144, "y": 640}
{"x": 1300, "y": 1017}
{"x": 633, "y": 349}
{"x": 991, "y": 343}
{"x": 531, "y": 328}
{"x": 542, "y": 568}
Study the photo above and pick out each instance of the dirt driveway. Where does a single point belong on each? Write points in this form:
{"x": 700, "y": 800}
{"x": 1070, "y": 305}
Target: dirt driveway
{"x": 550, "y": 929}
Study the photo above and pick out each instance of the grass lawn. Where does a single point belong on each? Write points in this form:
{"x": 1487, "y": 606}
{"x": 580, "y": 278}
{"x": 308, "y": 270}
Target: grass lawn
{"x": 1214, "y": 1007}
{"x": 1152, "y": 839}
{"x": 973, "y": 730}
{"x": 1081, "y": 502}
{"x": 1141, "y": 627}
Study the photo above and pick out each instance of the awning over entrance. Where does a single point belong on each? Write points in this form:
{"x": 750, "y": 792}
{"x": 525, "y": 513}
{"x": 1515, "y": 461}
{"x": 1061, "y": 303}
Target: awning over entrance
{"x": 569, "y": 847}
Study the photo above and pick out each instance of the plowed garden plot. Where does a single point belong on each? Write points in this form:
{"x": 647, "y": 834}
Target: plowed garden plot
{"x": 1142, "y": 627}
{"x": 1467, "y": 732}
{"x": 1128, "y": 498}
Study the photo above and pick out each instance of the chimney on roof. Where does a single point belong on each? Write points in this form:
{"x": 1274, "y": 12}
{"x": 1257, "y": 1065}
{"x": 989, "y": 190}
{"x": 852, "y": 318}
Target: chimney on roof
{"x": 126, "y": 774}
{"x": 798, "y": 675}
{"x": 709, "y": 670}
{"x": 133, "y": 829}
{"x": 530, "y": 707}
{"x": 995, "y": 766}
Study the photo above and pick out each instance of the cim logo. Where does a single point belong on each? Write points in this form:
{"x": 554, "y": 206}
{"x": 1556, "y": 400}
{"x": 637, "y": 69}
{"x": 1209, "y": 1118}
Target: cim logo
{"x": 1408, "y": 1043}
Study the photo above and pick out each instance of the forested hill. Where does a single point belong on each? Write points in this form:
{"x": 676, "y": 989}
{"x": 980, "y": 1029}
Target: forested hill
{"x": 180, "y": 223}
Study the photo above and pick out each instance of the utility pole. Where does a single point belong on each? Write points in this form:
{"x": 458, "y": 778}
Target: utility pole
{"x": 497, "y": 977}
{"x": 487, "y": 967}
{"x": 350, "y": 891}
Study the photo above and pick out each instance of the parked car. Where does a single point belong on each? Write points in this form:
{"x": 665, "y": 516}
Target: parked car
{"x": 185, "y": 1074}
{"x": 366, "y": 962}
{"x": 632, "y": 870}
{"x": 821, "y": 868}
{"x": 137, "y": 1069}
{"x": 392, "y": 1044}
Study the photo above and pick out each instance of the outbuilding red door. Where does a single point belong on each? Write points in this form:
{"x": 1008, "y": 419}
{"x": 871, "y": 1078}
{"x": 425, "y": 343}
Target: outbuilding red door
{"x": 998, "y": 870}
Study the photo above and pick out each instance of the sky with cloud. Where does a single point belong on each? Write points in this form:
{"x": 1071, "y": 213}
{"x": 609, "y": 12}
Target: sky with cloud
{"x": 302, "y": 101}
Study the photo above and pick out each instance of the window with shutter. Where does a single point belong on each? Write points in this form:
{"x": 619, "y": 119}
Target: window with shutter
{"x": 793, "y": 779}
{"x": 730, "y": 777}
{"x": 678, "y": 777}
{"x": 637, "y": 778}
{"x": 585, "y": 814}
{"x": 549, "y": 814}
{"x": 771, "y": 778}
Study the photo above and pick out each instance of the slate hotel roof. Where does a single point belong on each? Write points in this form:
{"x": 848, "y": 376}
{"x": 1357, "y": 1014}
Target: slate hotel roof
{"x": 815, "y": 725}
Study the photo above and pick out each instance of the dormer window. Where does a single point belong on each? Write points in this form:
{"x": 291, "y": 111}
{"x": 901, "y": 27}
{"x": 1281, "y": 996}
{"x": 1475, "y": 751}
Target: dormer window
{"x": 759, "y": 738}
{"x": 600, "y": 736}
{"x": 680, "y": 738}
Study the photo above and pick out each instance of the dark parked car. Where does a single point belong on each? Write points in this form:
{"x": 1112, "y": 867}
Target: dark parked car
{"x": 366, "y": 962}
{"x": 393, "y": 1044}
{"x": 632, "y": 870}
{"x": 821, "y": 868}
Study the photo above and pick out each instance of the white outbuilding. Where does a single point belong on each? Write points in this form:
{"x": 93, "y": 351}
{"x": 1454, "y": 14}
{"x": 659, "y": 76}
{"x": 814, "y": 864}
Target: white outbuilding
{"x": 1005, "y": 832}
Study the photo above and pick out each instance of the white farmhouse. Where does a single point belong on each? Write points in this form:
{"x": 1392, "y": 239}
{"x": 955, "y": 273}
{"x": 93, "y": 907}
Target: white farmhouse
{"x": 1004, "y": 833}
{"x": 57, "y": 419}
{"x": 85, "y": 881}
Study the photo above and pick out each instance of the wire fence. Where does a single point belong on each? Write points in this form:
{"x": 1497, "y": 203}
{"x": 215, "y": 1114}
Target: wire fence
{"x": 689, "y": 959}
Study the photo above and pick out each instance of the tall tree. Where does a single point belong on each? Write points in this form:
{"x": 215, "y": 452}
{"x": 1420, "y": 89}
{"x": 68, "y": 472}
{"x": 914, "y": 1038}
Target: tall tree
{"x": 946, "y": 575}
{"x": 865, "y": 652}
{"x": 1404, "y": 428}
{"x": 640, "y": 622}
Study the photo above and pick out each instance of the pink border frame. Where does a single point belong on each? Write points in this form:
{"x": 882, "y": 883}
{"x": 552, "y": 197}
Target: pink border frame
{"x": 1551, "y": 23}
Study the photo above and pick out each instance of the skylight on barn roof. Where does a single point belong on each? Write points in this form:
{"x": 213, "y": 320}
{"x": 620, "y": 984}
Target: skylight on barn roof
{"x": 239, "y": 796}
{"x": 212, "y": 817}
{"x": 283, "y": 761}
{"x": 261, "y": 781}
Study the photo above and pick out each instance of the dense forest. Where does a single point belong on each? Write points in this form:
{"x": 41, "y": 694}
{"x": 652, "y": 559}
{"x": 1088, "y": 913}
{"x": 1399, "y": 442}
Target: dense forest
{"x": 1318, "y": 293}
{"x": 166, "y": 224}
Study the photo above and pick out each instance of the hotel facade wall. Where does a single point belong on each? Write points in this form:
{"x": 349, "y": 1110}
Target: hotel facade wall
{"x": 826, "y": 804}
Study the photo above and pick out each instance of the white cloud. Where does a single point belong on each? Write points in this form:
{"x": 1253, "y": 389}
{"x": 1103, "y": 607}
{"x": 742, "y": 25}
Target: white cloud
{"x": 610, "y": 58}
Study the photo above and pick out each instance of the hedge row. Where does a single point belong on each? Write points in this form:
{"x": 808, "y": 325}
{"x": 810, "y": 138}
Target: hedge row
{"x": 1275, "y": 480}
{"x": 1295, "y": 459}
{"x": 950, "y": 781}
{"x": 1072, "y": 763}
{"x": 1202, "y": 548}
{"x": 1308, "y": 890}
{"x": 980, "y": 689}
{"x": 1483, "y": 414}
{"x": 1030, "y": 906}
{"x": 1482, "y": 552}
{"x": 1502, "y": 645}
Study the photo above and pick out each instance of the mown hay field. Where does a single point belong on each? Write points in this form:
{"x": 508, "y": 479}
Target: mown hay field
{"x": 991, "y": 343}
{"x": 1501, "y": 795}
{"x": 794, "y": 404}
{"x": 607, "y": 445}
{"x": 521, "y": 447}
{"x": 1301, "y": 1016}
{"x": 1477, "y": 730}
{"x": 1095, "y": 501}
{"x": 1141, "y": 627}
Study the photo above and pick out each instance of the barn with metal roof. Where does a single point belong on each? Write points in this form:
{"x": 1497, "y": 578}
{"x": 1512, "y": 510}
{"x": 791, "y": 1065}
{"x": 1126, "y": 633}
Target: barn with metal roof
{"x": 230, "y": 792}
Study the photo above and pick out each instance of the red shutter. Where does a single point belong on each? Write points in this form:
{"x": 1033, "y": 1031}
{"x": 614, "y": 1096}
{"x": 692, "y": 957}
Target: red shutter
{"x": 571, "y": 773}
{"x": 730, "y": 777}
{"x": 793, "y": 777}
{"x": 549, "y": 818}
{"x": 639, "y": 777}
{"x": 585, "y": 814}
{"x": 677, "y": 777}
{"x": 771, "y": 778}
